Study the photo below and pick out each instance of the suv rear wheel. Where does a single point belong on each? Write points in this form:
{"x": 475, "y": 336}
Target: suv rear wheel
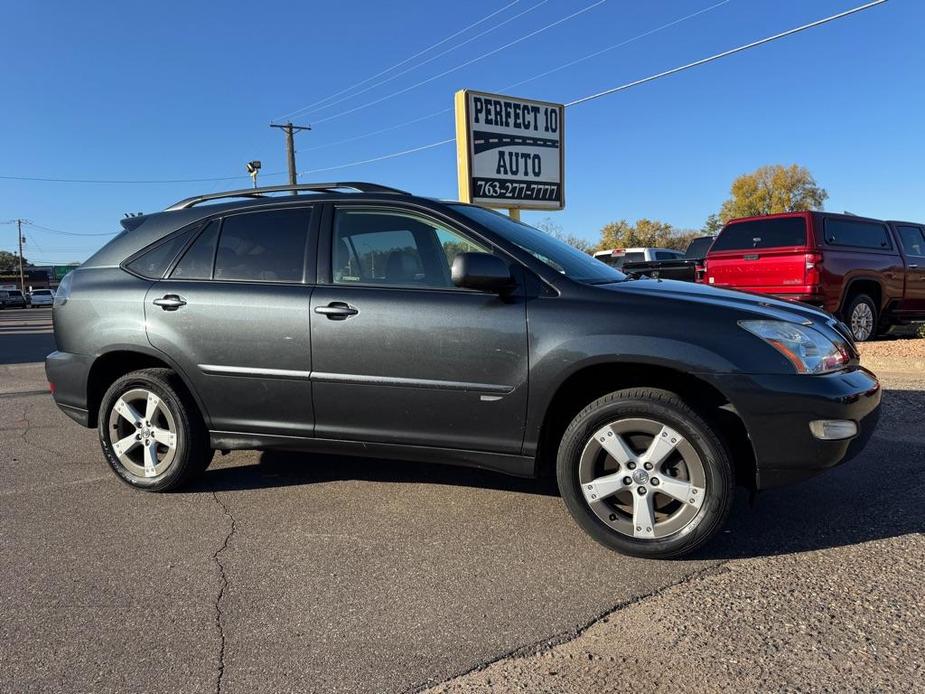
{"x": 644, "y": 474}
{"x": 861, "y": 317}
{"x": 151, "y": 432}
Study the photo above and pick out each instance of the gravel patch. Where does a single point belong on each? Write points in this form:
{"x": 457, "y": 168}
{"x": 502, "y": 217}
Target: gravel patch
{"x": 893, "y": 355}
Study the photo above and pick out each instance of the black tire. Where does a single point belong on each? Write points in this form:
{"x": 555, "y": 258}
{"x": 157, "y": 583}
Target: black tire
{"x": 866, "y": 325}
{"x": 668, "y": 409}
{"x": 192, "y": 453}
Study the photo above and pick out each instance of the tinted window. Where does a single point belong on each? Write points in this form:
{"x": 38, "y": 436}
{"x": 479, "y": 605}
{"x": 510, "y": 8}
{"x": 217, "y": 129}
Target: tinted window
{"x": 913, "y": 240}
{"x": 762, "y": 233}
{"x": 154, "y": 263}
{"x": 699, "y": 247}
{"x": 665, "y": 255}
{"x": 196, "y": 263}
{"x": 41, "y": 292}
{"x": 560, "y": 256}
{"x": 635, "y": 257}
{"x": 846, "y": 232}
{"x": 263, "y": 246}
{"x": 384, "y": 247}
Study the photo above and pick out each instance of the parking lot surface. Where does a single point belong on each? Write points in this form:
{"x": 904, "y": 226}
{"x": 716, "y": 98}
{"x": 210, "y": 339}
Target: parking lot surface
{"x": 314, "y": 573}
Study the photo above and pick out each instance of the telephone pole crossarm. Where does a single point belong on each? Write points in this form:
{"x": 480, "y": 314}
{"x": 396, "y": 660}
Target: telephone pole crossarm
{"x": 290, "y": 130}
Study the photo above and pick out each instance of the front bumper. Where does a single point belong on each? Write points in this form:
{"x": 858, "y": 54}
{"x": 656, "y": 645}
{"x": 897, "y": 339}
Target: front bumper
{"x": 67, "y": 375}
{"x": 777, "y": 410}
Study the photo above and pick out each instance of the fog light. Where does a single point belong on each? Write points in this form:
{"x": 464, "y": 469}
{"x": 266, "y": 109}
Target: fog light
{"x": 833, "y": 429}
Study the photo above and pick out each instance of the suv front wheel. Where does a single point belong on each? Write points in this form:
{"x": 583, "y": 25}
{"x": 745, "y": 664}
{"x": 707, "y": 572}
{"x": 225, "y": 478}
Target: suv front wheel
{"x": 151, "y": 432}
{"x": 644, "y": 474}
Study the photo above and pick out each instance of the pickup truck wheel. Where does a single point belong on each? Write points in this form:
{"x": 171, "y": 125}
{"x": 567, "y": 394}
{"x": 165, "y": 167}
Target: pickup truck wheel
{"x": 151, "y": 432}
{"x": 862, "y": 317}
{"x": 644, "y": 474}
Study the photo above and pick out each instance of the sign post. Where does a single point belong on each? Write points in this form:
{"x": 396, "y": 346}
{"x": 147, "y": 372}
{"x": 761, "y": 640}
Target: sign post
{"x": 510, "y": 152}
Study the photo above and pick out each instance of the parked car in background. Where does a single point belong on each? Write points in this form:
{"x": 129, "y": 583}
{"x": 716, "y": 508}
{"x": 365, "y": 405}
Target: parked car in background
{"x": 617, "y": 257}
{"x": 41, "y": 297}
{"x": 380, "y": 323}
{"x": 869, "y": 272}
{"x": 12, "y": 298}
{"x": 687, "y": 267}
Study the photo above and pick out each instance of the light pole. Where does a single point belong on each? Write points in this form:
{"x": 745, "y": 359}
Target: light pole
{"x": 253, "y": 168}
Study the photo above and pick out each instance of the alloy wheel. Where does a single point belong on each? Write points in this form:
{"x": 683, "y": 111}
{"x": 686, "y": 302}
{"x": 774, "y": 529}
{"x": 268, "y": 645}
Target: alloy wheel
{"x": 862, "y": 321}
{"x": 642, "y": 478}
{"x": 143, "y": 433}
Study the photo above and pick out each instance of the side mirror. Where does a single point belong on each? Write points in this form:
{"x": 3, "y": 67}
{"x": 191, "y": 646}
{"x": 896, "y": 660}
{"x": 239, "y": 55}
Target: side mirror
{"x": 482, "y": 271}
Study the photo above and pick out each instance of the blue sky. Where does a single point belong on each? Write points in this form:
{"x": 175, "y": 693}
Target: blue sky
{"x": 170, "y": 90}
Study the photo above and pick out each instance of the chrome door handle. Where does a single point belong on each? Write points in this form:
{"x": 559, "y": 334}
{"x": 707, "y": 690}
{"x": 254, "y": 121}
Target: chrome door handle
{"x": 336, "y": 310}
{"x": 169, "y": 302}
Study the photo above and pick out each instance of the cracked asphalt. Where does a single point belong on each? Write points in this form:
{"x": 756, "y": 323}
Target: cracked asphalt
{"x": 312, "y": 573}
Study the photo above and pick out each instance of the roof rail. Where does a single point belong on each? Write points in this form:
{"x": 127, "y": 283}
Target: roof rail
{"x": 307, "y": 187}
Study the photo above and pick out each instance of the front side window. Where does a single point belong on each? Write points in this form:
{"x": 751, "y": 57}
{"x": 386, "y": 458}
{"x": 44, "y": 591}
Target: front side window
{"x": 845, "y": 232}
{"x": 266, "y": 246}
{"x": 913, "y": 240}
{"x": 384, "y": 247}
{"x": 558, "y": 255}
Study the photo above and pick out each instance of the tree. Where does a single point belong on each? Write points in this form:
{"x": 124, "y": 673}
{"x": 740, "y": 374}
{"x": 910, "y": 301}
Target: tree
{"x": 9, "y": 262}
{"x": 712, "y": 226}
{"x": 772, "y": 189}
{"x": 555, "y": 230}
{"x": 648, "y": 233}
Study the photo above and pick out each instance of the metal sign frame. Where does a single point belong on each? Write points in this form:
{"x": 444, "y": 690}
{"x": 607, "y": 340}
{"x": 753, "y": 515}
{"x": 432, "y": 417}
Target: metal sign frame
{"x": 465, "y": 152}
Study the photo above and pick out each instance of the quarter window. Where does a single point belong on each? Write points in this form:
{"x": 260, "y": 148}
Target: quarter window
{"x": 847, "y": 232}
{"x": 264, "y": 246}
{"x": 392, "y": 248}
{"x": 154, "y": 263}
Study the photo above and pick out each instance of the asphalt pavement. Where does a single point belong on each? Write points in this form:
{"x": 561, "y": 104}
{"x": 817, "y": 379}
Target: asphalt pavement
{"x": 307, "y": 573}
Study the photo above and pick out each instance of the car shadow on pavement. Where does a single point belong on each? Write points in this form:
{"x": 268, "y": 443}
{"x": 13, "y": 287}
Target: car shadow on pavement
{"x": 283, "y": 468}
{"x": 875, "y": 496}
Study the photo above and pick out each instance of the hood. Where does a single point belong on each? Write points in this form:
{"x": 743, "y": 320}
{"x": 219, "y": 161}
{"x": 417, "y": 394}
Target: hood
{"x": 756, "y": 306}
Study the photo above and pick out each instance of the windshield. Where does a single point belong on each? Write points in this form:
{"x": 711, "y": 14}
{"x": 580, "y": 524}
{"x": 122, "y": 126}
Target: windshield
{"x": 558, "y": 255}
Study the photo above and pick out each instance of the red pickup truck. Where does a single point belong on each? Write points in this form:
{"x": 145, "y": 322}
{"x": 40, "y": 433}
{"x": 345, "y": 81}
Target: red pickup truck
{"x": 871, "y": 273}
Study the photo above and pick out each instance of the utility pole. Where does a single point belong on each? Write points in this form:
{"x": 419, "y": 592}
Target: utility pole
{"x": 290, "y": 130}
{"x": 22, "y": 280}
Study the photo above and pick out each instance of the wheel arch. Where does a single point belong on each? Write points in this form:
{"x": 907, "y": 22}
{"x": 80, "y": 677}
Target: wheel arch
{"x": 592, "y": 381}
{"x": 864, "y": 284}
{"x": 115, "y": 363}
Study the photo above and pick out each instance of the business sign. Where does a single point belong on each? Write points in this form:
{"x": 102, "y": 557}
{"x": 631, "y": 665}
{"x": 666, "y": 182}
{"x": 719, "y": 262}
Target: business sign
{"x": 510, "y": 152}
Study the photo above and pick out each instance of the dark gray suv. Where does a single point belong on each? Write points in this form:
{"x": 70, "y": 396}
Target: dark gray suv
{"x": 358, "y": 319}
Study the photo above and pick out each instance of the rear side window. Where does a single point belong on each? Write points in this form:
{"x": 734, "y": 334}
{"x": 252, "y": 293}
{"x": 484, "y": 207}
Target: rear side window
{"x": 154, "y": 262}
{"x": 847, "y": 232}
{"x": 196, "y": 263}
{"x": 699, "y": 248}
{"x": 913, "y": 240}
{"x": 264, "y": 246}
{"x": 762, "y": 233}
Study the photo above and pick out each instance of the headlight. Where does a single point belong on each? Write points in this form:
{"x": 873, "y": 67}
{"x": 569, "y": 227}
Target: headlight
{"x": 808, "y": 350}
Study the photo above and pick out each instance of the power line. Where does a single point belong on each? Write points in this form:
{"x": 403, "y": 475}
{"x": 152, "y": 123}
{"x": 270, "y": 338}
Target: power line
{"x": 399, "y": 64}
{"x": 570, "y": 63}
{"x": 575, "y": 102}
{"x": 67, "y": 233}
{"x": 431, "y": 58}
{"x": 724, "y": 54}
{"x": 659, "y": 75}
{"x": 393, "y": 155}
{"x": 462, "y": 65}
{"x": 625, "y": 42}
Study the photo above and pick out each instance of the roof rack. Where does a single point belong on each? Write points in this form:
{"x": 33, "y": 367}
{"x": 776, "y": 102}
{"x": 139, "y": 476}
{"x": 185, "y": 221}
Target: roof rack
{"x": 308, "y": 187}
